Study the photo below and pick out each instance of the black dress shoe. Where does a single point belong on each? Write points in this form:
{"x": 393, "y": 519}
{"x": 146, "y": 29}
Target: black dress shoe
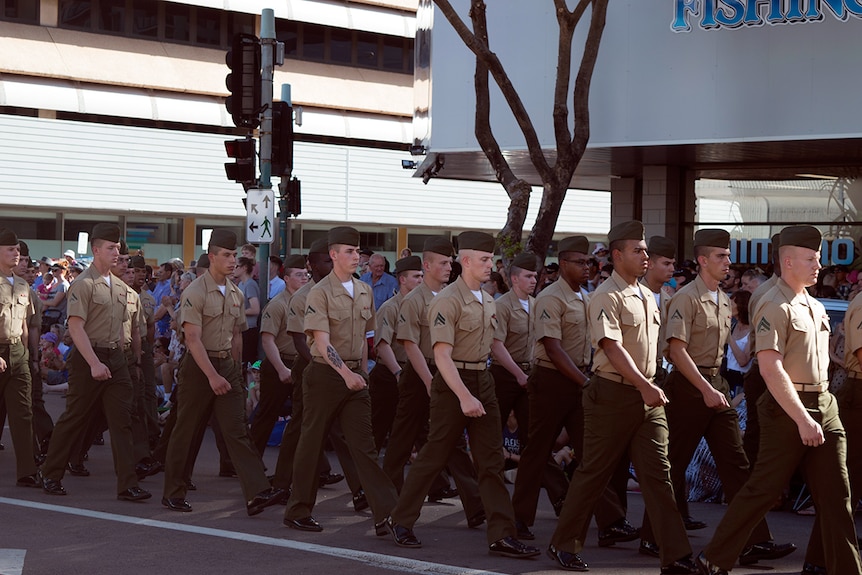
{"x": 567, "y": 561}
{"x": 403, "y": 536}
{"x": 523, "y": 532}
{"x": 811, "y": 569}
{"x": 511, "y": 547}
{"x": 148, "y": 469}
{"x": 134, "y": 494}
{"x": 39, "y": 459}
{"x": 29, "y": 481}
{"x": 684, "y": 566}
{"x": 441, "y": 494}
{"x": 380, "y": 528}
{"x": 648, "y": 548}
{"x": 176, "y": 504}
{"x": 693, "y": 524}
{"x": 619, "y": 532}
{"x": 330, "y": 479}
{"x": 99, "y": 440}
{"x": 304, "y": 524}
{"x": 476, "y": 519}
{"x": 77, "y": 469}
{"x": 190, "y": 486}
{"x": 360, "y": 501}
{"x": 765, "y": 551}
{"x": 707, "y": 568}
{"x": 262, "y": 500}
{"x": 285, "y": 495}
{"x": 53, "y": 486}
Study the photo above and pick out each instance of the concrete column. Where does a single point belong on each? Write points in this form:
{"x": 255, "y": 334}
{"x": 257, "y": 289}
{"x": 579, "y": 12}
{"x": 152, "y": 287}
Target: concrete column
{"x": 49, "y": 13}
{"x": 189, "y": 239}
{"x": 668, "y": 203}
{"x": 625, "y": 200}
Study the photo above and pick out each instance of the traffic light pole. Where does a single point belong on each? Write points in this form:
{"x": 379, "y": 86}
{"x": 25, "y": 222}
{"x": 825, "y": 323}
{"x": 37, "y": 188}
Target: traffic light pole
{"x": 267, "y": 50}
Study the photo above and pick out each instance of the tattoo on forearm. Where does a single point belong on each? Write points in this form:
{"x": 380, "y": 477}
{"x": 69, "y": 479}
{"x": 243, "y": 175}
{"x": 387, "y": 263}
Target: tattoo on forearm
{"x": 333, "y": 356}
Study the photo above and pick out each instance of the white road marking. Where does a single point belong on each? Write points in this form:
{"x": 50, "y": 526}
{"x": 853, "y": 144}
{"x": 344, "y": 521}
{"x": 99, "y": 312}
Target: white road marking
{"x": 12, "y": 561}
{"x": 375, "y": 559}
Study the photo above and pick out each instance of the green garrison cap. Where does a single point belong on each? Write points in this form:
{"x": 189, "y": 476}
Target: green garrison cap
{"x": 343, "y": 235}
{"x": 526, "y": 261}
{"x": 295, "y": 261}
{"x": 223, "y": 238}
{"x": 107, "y": 232}
{"x": 8, "y": 237}
{"x": 439, "y": 245}
{"x": 662, "y": 246}
{"x": 712, "y": 237}
{"x": 24, "y": 249}
{"x": 479, "y": 241}
{"x": 632, "y": 230}
{"x": 124, "y": 247}
{"x": 319, "y": 246}
{"x": 410, "y": 263}
{"x": 203, "y": 261}
{"x": 137, "y": 262}
{"x": 802, "y": 236}
{"x": 578, "y": 244}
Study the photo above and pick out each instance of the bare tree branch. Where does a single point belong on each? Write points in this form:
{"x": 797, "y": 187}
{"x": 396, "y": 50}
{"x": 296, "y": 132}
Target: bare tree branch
{"x": 481, "y": 51}
{"x": 567, "y": 21}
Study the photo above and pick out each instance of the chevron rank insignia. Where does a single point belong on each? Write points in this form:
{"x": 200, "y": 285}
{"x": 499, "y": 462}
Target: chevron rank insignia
{"x": 291, "y": 312}
{"x": 439, "y": 320}
{"x": 401, "y": 318}
{"x": 763, "y": 326}
{"x": 603, "y": 315}
{"x": 676, "y": 315}
{"x": 188, "y": 303}
{"x": 385, "y": 322}
{"x": 266, "y": 315}
{"x": 73, "y": 297}
{"x": 545, "y": 315}
{"x": 309, "y": 310}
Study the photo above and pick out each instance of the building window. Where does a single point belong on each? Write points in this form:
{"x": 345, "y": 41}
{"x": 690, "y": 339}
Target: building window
{"x": 368, "y": 50}
{"x": 340, "y": 46}
{"x": 209, "y": 27}
{"x": 145, "y": 19}
{"x": 177, "y": 22}
{"x": 75, "y": 14}
{"x": 26, "y": 11}
{"x": 313, "y": 42}
{"x": 112, "y": 16}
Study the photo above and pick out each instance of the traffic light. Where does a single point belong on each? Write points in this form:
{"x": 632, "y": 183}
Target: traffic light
{"x": 242, "y": 170}
{"x": 244, "y": 81}
{"x": 282, "y": 139}
{"x": 294, "y": 200}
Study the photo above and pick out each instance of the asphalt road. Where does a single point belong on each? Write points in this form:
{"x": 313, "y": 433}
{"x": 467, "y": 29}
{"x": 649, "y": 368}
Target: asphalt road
{"x": 90, "y": 532}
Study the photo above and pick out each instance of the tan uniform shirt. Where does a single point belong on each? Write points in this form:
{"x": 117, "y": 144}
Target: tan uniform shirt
{"x": 296, "y": 309}
{"x": 516, "y": 327}
{"x": 103, "y": 308}
{"x": 459, "y": 319}
{"x": 663, "y": 304}
{"x": 216, "y": 314}
{"x": 413, "y": 319}
{"x": 853, "y": 334}
{"x": 346, "y": 319}
{"x": 135, "y": 315}
{"x": 623, "y": 313}
{"x": 148, "y": 305}
{"x": 387, "y": 322}
{"x": 15, "y": 307}
{"x": 753, "y": 302}
{"x": 274, "y": 321}
{"x": 561, "y": 313}
{"x": 34, "y": 322}
{"x": 797, "y": 327}
{"x": 693, "y": 317}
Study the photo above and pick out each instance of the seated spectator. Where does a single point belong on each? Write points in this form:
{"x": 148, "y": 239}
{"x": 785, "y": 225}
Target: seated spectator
{"x": 511, "y": 447}
{"x": 54, "y": 296}
{"x": 52, "y": 367}
{"x": 253, "y": 397}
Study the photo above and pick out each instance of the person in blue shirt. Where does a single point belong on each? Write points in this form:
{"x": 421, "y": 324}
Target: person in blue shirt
{"x": 382, "y": 284}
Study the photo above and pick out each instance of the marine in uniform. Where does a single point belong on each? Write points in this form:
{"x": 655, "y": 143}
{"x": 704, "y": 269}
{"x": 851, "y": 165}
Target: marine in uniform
{"x": 410, "y": 427}
{"x": 662, "y": 262}
{"x": 562, "y": 355}
{"x": 210, "y": 379}
{"x": 43, "y": 424}
{"x": 799, "y": 423}
{"x": 462, "y": 322}
{"x": 148, "y": 334}
{"x": 699, "y": 397}
{"x": 15, "y": 310}
{"x": 391, "y": 357}
{"x": 320, "y": 265}
{"x": 753, "y": 384}
{"x": 339, "y": 311}
{"x": 280, "y": 354}
{"x": 623, "y": 410}
{"x": 98, "y": 369}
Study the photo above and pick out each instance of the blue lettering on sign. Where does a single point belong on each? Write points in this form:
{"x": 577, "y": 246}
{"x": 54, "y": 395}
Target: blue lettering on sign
{"x": 716, "y": 14}
{"x": 757, "y": 251}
